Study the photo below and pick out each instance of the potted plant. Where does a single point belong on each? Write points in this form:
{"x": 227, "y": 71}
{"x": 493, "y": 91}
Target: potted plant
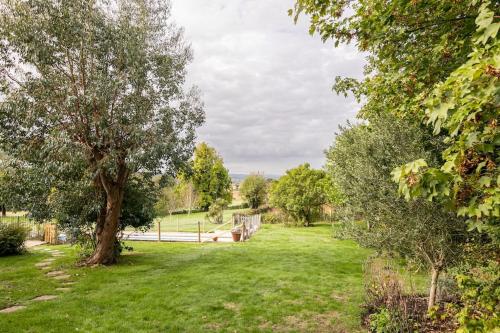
{"x": 236, "y": 233}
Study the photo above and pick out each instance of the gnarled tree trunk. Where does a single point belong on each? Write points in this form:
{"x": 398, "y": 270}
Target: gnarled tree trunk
{"x": 108, "y": 221}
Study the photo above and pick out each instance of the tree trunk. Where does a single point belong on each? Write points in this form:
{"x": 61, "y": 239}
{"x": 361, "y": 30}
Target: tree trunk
{"x": 4, "y": 210}
{"x": 433, "y": 288}
{"x": 107, "y": 227}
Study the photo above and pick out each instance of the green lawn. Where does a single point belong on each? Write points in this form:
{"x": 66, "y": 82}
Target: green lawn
{"x": 282, "y": 280}
{"x": 189, "y": 222}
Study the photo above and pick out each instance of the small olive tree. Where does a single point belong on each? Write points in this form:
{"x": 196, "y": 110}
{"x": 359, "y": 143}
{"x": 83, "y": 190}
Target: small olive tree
{"x": 254, "y": 190}
{"x": 300, "y": 193}
{"x": 361, "y": 161}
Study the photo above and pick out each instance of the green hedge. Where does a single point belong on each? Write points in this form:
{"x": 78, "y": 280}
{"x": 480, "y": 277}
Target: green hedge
{"x": 12, "y": 237}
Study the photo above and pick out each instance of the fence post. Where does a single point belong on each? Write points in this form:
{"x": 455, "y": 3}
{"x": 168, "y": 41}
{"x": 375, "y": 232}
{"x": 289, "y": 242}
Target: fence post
{"x": 199, "y": 232}
{"x": 159, "y": 231}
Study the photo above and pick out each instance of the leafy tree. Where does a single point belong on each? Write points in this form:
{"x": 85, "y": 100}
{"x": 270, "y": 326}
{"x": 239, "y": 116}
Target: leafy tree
{"x": 254, "y": 190}
{"x": 187, "y": 192}
{"x": 169, "y": 201}
{"x": 210, "y": 178}
{"x": 300, "y": 193}
{"x": 361, "y": 161}
{"x": 101, "y": 83}
{"x": 215, "y": 213}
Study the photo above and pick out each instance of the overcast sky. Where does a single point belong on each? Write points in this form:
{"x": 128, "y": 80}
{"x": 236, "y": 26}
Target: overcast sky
{"x": 266, "y": 83}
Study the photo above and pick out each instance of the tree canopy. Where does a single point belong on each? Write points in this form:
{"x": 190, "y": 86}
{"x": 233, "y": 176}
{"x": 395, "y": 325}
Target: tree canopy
{"x": 100, "y": 83}
{"x": 254, "y": 190}
{"x": 301, "y": 192}
{"x": 210, "y": 178}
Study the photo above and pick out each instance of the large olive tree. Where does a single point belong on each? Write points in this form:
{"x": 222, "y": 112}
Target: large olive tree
{"x": 103, "y": 81}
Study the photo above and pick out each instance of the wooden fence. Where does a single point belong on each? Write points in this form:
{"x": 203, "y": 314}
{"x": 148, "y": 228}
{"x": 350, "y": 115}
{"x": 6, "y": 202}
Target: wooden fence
{"x": 249, "y": 224}
{"x": 40, "y": 231}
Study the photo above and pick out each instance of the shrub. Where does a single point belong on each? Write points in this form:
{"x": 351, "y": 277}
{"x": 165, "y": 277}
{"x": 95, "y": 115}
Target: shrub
{"x": 389, "y": 307}
{"x": 12, "y": 237}
{"x": 272, "y": 218}
{"x": 480, "y": 295}
{"x": 216, "y": 211}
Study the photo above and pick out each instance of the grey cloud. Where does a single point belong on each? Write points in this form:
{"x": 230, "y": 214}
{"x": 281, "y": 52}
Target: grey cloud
{"x": 266, "y": 83}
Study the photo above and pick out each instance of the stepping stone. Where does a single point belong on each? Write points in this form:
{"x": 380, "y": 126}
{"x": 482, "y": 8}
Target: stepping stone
{"x": 58, "y": 255}
{"x": 49, "y": 260}
{"x": 62, "y": 277}
{"x": 69, "y": 283}
{"x": 42, "y": 264}
{"x": 12, "y": 309}
{"x": 45, "y": 268}
{"x": 63, "y": 289}
{"x": 55, "y": 273}
{"x": 44, "y": 298}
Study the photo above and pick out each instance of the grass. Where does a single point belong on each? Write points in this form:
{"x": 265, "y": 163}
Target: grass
{"x": 283, "y": 279}
{"x": 189, "y": 222}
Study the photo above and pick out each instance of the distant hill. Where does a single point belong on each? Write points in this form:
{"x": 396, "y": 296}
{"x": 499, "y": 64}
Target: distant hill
{"x": 237, "y": 178}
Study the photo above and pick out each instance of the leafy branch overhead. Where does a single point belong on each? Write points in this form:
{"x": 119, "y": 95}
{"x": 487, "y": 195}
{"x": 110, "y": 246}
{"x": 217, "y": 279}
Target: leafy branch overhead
{"x": 465, "y": 108}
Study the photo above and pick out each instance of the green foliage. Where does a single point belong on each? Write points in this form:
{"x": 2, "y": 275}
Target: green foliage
{"x": 254, "y": 190}
{"x": 383, "y": 322}
{"x": 215, "y": 212}
{"x": 300, "y": 193}
{"x": 169, "y": 201}
{"x": 12, "y": 237}
{"x": 210, "y": 178}
{"x": 465, "y": 107}
{"x": 274, "y": 217}
{"x": 360, "y": 162}
{"x": 176, "y": 196}
{"x": 480, "y": 293}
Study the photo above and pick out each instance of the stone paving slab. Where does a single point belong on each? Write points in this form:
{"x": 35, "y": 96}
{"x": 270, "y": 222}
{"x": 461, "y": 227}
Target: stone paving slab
{"x": 56, "y": 273}
{"x": 44, "y": 298}
{"x": 42, "y": 264}
{"x": 65, "y": 289}
{"x": 62, "y": 277}
{"x": 12, "y": 309}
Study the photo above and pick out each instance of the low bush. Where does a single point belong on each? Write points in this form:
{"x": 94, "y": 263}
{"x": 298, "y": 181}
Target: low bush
{"x": 392, "y": 306}
{"x": 12, "y": 237}
{"x": 272, "y": 218}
